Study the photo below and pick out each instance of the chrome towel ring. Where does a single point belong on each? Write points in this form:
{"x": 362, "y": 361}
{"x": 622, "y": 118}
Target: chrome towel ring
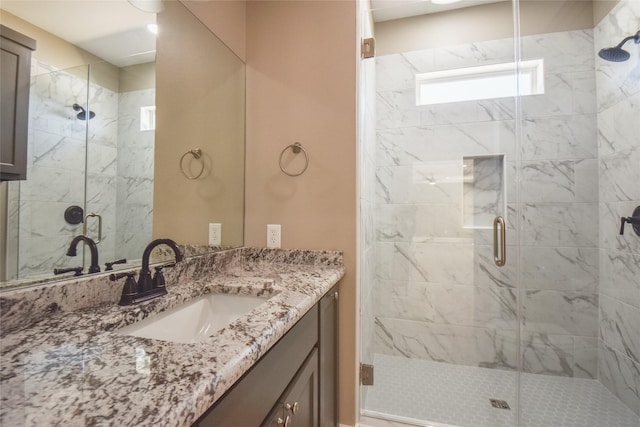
{"x": 197, "y": 154}
{"x": 296, "y": 148}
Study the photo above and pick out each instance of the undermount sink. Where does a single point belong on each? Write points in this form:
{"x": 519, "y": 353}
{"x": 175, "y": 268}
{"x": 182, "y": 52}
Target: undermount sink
{"x": 195, "y": 320}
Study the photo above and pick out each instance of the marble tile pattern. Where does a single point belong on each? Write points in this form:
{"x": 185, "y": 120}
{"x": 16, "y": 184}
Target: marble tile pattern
{"x": 64, "y": 363}
{"x": 134, "y": 215}
{"x": 438, "y": 295}
{"x": 618, "y": 102}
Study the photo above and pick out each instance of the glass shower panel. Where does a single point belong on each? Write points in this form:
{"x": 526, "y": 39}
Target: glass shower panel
{"x": 442, "y": 315}
{"x": 55, "y": 172}
{"x": 120, "y": 151}
{"x": 579, "y": 276}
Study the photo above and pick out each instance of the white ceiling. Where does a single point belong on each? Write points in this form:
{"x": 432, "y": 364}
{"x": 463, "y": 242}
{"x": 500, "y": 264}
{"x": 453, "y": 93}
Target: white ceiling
{"x": 386, "y": 10}
{"x": 113, "y": 30}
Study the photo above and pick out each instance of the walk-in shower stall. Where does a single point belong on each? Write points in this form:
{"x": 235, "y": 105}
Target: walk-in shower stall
{"x": 499, "y": 159}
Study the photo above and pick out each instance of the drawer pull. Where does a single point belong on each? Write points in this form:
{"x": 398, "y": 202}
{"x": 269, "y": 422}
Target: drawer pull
{"x": 286, "y": 421}
{"x": 293, "y": 408}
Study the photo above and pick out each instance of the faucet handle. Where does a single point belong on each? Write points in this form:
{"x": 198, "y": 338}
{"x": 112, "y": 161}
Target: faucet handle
{"x": 109, "y": 265}
{"x": 158, "y": 277}
{"x": 129, "y": 290}
{"x": 78, "y": 271}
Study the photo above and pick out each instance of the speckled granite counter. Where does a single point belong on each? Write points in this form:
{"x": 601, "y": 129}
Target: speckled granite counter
{"x": 62, "y": 363}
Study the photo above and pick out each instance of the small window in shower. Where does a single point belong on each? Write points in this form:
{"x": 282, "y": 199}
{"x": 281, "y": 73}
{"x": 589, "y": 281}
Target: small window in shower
{"x": 483, "y": 82}
{"x": 148, "y": 118}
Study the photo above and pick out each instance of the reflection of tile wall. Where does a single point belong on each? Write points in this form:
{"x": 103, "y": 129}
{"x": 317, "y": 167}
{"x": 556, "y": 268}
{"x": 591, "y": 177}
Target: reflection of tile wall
{"x": 618, "y": 97}
{"x": 102, "y": 161}
{"x": 438, "y": 294}
{"x": 135, "y": 175}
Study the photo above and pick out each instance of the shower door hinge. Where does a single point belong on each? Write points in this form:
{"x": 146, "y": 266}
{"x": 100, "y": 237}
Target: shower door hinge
{"x": 368, "y": 48}
{"x": 366, "y": 374}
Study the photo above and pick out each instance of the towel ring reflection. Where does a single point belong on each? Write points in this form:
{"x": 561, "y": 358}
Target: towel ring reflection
{"x": 296, "y": 147}
{"x": 197, "y": 154}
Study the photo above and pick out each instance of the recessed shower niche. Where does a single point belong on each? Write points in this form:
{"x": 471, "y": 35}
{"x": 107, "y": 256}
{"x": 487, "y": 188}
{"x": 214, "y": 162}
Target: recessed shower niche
{"x": 483, "y": 190}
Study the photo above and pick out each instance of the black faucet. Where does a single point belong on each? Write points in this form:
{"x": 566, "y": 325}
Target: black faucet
{"x": 94, "y": 268}
{"x": 147, "y": 288}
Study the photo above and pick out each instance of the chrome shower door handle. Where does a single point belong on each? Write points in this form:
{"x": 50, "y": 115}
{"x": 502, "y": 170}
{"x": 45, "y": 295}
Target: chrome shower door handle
{"x": 84, "y": 227}
{"x": 499, "y": 241}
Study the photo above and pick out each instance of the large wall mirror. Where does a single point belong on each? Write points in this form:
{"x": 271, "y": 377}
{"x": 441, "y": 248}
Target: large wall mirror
{"x": 121, "y": 100}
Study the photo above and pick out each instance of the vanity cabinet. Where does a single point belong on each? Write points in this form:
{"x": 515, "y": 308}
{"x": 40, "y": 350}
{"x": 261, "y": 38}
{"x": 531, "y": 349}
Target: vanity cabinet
{"x": 294, "y": 384}
{"x": 15, "y": 75}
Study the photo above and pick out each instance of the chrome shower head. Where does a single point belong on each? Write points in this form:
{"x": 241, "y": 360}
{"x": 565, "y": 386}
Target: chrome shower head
{"x": 82, "y": 115}
{"x": 617, "y": 53}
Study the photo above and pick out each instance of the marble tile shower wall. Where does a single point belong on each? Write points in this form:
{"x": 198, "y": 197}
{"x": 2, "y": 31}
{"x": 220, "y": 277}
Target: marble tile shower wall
{"x": 135, "y": 175}
{"x": 618, "y": 96}
{"x": 438, "y": 294}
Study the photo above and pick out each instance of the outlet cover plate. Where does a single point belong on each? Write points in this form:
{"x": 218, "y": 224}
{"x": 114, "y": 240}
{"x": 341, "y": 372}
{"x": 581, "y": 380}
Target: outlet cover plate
{"x": 215, "y": 234}
{"x": 273, "y": 235}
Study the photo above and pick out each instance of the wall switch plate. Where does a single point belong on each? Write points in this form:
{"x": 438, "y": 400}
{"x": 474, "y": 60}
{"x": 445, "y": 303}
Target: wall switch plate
{"x": 215, "y": 234}
{"x": 273, "y": 235}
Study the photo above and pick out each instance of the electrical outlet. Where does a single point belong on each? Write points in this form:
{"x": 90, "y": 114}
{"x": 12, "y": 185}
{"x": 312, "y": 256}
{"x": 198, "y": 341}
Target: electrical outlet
{"x": 215, "y": 234}
{"x": 273, "y": 235}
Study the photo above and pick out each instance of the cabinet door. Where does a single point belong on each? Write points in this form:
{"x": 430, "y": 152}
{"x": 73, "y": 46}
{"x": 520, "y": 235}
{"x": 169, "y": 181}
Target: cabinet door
{"x": 15, "y": 64}
{"x": 328, "y": 343}
{"x": 298, "y": 406}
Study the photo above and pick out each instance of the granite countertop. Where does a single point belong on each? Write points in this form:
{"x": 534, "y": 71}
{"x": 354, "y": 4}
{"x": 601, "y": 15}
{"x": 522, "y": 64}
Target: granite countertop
{"x": 68, "y": 365}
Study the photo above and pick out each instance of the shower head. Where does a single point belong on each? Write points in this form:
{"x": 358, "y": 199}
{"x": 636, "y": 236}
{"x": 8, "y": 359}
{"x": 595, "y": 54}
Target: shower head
{"x": 82, "y": 115}
{"x": 618, "y": 54}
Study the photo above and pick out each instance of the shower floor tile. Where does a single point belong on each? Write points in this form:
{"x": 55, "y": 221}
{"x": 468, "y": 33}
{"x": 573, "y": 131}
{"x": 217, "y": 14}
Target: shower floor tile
{"x": 437, "y": 394}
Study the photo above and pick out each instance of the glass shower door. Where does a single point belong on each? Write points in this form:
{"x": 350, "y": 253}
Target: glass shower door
{"x": 438, "y": 310}
{"x": 55, "y": 175}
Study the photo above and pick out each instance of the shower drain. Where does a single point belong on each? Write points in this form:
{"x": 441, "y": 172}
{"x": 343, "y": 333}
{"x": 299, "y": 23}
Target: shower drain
{"x": 500, "y": 404}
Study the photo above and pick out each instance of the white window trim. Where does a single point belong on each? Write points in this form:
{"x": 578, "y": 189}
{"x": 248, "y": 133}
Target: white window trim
{"x": 532, "y": 69}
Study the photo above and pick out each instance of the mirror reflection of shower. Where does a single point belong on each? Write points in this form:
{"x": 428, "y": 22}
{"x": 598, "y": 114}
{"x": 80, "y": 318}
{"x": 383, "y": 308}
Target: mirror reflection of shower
{"x": 82, "y": 114}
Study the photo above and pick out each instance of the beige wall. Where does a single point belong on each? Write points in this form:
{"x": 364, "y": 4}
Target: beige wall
{"x": 227, "y": 19}
{"x": 601, "y": 8}
{"x": 479, "y": 23}
{"x": 200, "y": 99}
{"x": 137, "y": 77}
{"x": 53, "y": 50}
{"x": 301, "y": 86}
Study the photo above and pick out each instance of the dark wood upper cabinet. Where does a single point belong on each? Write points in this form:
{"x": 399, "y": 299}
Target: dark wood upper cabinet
{"x": 15, "y": 78}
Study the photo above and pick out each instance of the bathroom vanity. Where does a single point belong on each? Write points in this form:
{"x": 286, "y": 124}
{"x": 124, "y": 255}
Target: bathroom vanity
{"x": 294, "y": 383}
{"x": 65, "y": 361}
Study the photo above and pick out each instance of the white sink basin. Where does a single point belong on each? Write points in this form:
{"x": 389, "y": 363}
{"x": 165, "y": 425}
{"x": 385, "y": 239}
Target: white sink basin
{"x": 195, "y": 320}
